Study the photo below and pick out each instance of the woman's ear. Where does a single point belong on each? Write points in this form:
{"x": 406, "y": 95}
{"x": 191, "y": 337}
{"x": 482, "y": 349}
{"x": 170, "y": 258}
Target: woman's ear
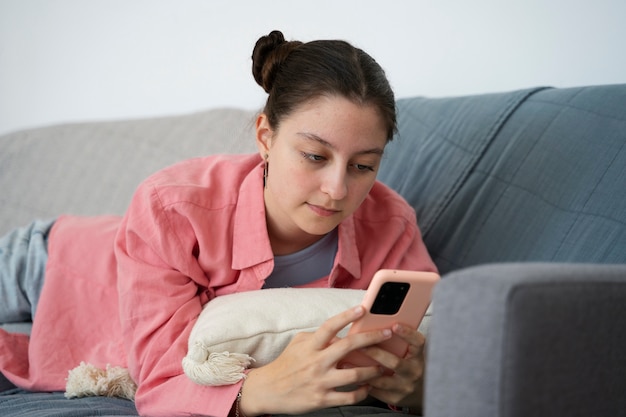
{"x": 264, "y": 134}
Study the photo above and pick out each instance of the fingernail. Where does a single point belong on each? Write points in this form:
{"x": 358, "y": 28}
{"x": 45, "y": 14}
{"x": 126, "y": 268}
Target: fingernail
{"x": 387, "y": 333}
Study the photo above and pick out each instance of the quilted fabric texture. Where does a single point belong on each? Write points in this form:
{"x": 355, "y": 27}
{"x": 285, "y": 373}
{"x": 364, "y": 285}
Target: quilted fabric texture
{"x": 541, "y": 177}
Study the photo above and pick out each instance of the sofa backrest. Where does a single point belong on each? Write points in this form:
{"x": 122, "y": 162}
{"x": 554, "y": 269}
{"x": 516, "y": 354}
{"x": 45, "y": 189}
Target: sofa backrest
{"x": 93, "y": 168}
{"x": 537, "y": 174}
{"x": 529, "y": 175}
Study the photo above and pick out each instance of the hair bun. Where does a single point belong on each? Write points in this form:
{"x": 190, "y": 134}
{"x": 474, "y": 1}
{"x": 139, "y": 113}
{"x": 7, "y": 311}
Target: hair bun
{"x": 269, "y": 53}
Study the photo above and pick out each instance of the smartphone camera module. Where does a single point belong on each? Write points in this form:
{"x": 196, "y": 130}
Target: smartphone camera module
{"x": 390, "y": 298}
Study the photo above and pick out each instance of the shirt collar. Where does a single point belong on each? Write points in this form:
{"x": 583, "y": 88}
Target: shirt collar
{"x": 251, "y": 244}
{"x": 348, "y": 253}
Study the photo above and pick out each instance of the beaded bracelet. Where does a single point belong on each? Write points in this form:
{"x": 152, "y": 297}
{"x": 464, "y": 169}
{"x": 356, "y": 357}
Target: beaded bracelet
{"x": 237, "y": 403}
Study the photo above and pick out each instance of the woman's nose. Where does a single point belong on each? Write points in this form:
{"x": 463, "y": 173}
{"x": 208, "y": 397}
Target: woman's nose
{"x": 334, "y": 184}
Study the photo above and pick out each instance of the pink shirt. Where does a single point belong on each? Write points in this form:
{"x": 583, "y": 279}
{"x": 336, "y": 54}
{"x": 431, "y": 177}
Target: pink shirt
{"x": 127, "y": 291}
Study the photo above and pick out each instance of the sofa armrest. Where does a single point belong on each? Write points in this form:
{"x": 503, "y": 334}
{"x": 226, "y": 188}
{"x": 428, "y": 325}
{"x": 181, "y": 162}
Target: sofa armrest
{"x": 528, "y": 340}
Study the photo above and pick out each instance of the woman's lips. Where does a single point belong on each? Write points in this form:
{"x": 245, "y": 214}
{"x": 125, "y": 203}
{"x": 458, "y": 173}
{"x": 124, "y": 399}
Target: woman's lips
{"x": 323, "y": 211}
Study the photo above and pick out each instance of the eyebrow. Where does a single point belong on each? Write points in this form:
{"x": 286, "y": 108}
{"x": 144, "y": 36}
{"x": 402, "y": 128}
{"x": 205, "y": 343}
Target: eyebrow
{"x": 314, "y": 137}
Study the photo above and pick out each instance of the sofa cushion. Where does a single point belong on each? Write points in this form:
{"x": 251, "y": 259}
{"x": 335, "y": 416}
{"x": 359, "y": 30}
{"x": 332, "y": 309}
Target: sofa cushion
{"x": 531, "y": 175}
{"x": 439, "y": 142}
{"x": 252, "y": 328}
{"x": 94, "y": 168}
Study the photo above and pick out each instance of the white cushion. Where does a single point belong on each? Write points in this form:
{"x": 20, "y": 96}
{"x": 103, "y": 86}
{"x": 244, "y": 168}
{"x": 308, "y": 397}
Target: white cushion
{"x": 252, "y": 328}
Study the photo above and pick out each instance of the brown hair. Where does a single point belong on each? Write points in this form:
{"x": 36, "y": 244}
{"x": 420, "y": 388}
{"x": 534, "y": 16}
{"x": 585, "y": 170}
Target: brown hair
{"x": 293, "y": 73}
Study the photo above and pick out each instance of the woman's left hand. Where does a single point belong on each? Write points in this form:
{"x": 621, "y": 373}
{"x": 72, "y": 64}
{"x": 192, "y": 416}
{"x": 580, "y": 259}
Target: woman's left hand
{"x": 404, "y": 388}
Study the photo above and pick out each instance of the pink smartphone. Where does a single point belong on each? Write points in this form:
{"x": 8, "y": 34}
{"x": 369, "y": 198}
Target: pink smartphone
{"x": 393, "y": 296}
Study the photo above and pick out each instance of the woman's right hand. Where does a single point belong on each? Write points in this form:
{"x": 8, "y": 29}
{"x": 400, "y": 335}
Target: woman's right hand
{"x": 305, "y": 375}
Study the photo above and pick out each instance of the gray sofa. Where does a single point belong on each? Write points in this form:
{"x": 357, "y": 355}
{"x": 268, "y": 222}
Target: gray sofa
{"x": 521, "y": 197}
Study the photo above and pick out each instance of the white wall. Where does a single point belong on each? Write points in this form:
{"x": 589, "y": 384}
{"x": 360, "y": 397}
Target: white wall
{"x": 73, "y": 60}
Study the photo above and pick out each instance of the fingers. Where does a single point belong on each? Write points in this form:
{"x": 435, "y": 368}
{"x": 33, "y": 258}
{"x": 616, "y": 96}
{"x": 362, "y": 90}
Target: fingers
{"x": 329, "y": 329}
{"x": 306, "y": 373}
{"x": 405, "y": 385}
{"x": 358, "y": 376}
{"x": 327, "y": 332}
{"x": 415, "y": 339}
{"x": 411, "y": 364}
{"x": 325, "y": 338}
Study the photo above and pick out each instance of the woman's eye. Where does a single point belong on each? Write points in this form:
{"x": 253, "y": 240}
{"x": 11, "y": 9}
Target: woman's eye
{"x": 312, "y": 157}
{"x": 363, "y": 168}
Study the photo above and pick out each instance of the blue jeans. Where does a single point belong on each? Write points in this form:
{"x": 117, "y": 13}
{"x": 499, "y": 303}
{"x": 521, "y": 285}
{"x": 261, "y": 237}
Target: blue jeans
{"x": 23, "y": 257}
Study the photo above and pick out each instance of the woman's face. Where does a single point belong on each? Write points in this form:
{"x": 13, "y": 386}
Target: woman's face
{"x": 322, "y": 162}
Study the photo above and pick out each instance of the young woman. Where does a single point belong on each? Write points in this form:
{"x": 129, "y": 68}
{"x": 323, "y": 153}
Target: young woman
{"x": 305, "y": 211}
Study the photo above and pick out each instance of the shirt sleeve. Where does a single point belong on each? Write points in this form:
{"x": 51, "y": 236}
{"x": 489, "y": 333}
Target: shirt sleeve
{"x": 162, "y": 289}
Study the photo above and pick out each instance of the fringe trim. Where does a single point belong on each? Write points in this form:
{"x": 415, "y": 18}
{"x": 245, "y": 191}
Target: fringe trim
{"x": 215, "y": 368}
{"x": 87, "y": 380}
